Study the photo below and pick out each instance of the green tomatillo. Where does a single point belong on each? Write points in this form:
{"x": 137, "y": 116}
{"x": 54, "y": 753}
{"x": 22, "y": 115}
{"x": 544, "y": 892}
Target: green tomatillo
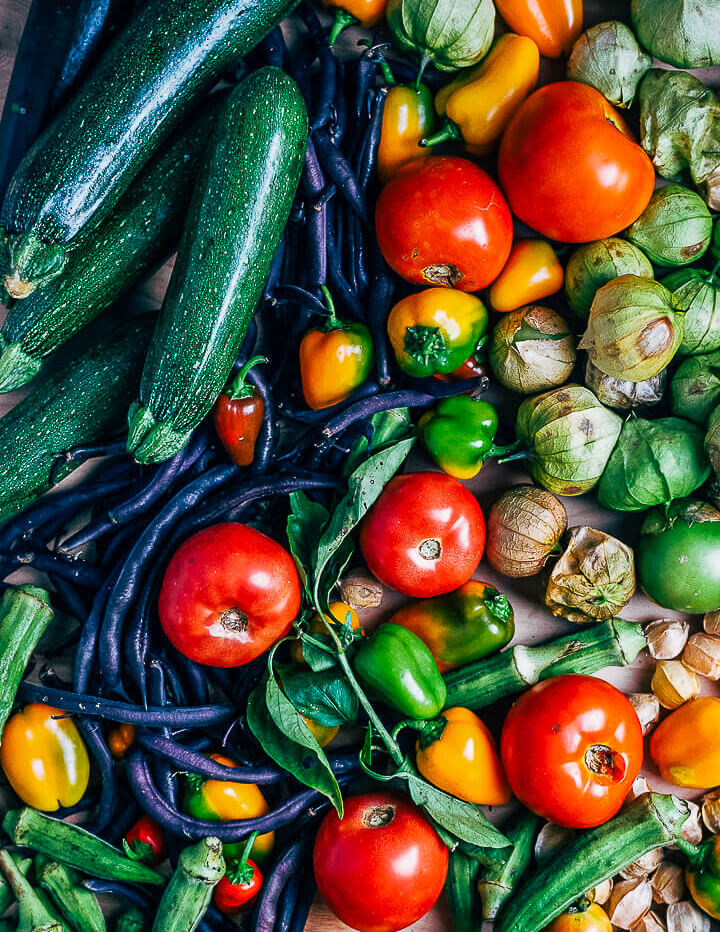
{"x": 675, "y": 228}
{"x": 593, "y": 265}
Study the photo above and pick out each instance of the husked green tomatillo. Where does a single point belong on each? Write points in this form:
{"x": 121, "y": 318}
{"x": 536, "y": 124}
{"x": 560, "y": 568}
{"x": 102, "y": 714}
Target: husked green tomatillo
{"x": 593, "y": 265}
{"x": 675, "y": 228}
{"x": 696, "y": 293}
{"x": 695, "y": 387}
{"x": 607, "y": 57}
{"x": 683, "y": 34}
{"x": 712, "y": 440}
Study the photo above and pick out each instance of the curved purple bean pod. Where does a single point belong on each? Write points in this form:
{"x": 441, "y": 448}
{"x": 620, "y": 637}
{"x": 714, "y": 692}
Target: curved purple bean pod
{"x": 75, "y": 571}
{"x": 195, "y": 677}
{"x": 85, "y": 652}
{"x": 380, "y": 299}
{"x": 266, "y": 439}
{"x": 274, "y": 276}
{"x": 304, "y": 904}
{"x": 70, "y": 598}
{"x": 337, "y": 167}
{"x": 339, "y": 285}
{"x": 120, "y": 541}
{"x": 164, "y": 774}
{"x": 194, "y": 762}
{"x": 137, "y": 640}
{"x": 289, "y": 863}
{"x": 304, "y": 297}
{"x": 92, "y": 733}
{"x": 339, "y": 112}
{"x": 111, "y": 709}
{"x": 320, "y": 113}
{"x": 288, "y": 901}
{"x": 371, "y": 143}
{"x": 273, "y": 48}
{"x": 366, "y": 73}
{"x": 135, "y": 895}
{"x": 80, "y": 454}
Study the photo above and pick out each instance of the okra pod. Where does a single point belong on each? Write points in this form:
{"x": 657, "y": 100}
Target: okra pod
{"x": 72, "y": 845}
{"x": 613, "y": 643}
{"x": 6, "y": 894}
{"x": 78, "y": 907}
{"x": 500, "y": 880}
{"x": 33, "y": 914}
{"x": 460, "y": 890}
{"x": 131, "y": 921}
{"x": 188, "y": 894}
{"x": 652, "y": 821}
{"x": 25, "y": 613}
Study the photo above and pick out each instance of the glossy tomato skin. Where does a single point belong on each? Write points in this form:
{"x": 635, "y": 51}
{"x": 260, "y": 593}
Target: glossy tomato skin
{"x": 444, "y": 221}
{"x": 382, "y": 866}
{"x": 228, "y": 594}
{"x": 571, "y": 747}
{"x": 424, "y": 536}
{"x": 569, "y": 166}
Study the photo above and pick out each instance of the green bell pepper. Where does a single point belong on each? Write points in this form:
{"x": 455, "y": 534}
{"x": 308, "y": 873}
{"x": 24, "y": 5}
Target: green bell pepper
{"x": 401, "y": 671}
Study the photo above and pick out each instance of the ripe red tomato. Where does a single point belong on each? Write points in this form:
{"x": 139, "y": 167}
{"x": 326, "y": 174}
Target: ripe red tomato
{"x": 571, "y": 747}
{"x": 444, "y": 221}
{"x": 382, "y": 866}
{"x": 228, "y": 594}
{"x": 570, "y": 167}
{"x": 424, "y": 536}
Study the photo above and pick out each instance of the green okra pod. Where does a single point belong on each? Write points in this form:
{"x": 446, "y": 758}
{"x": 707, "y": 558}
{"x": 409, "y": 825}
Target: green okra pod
{"x": 499, "y": 880}
{"x": 77, "y": 906}
{"x": 652, "y": 821}
{"x": 613, "y": 643}
{"x": 6, "y": 895}
{"x": 131, "y": 921}
{"x": 25, "y": 613}
{"x": 33, "y": 914}
{"x": 188, "y": 894}
{"x": 72, "y": 845}
{"x": 461, "y": 892}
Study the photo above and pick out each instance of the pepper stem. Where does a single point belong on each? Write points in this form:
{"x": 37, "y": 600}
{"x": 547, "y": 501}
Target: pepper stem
{"x": 238, "y": 388}
{"x": 714, "y": 271}
{"x": 501, "y": 451}
{"x": 425, "y": 344}
{"x": 448, "y": 132}
{"x": 332, "y": 322}
{"x": 520, "y": 455}
{"x": 248, "y": 847}
{"x": 694, "y": 853}
{"x": 424, "y": 62}
{"x": 343, "y": 19}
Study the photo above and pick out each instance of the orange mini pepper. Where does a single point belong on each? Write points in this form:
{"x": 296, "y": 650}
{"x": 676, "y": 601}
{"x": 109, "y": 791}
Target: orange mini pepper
{"x": 408, "y": 116}
{"x": 364, "y": 13}
{"x": 480, "y": 102}
{"x": 531, "y": 273}
{"x": 457, "y": 754}
{"x": 552, "y": 24}
{"x": 685, "y": 745}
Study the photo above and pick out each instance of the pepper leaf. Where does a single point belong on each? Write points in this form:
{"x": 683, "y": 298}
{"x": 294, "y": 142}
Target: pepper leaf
{"x": 317, "y": 658}
{"x": 384, "y": 428}
{"x": 326, "y": 697}
{"x": 285, "y": 738}
{"x": 305, "y": 524}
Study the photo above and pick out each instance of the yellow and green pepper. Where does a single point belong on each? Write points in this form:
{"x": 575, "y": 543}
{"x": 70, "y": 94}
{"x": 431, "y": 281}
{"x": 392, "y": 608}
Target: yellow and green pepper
{"x": 703, "y": 874}
{"x": 408, "y": 117}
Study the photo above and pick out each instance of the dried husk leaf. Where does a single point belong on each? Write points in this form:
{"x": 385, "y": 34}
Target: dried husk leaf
{"x": 674, "y": 684}
{"x": 680, "y": 129}
{"x": 696, "y": 293}
{"x": 623, "y": 395}
{"x": 524, "y": 527}
{"x": 360, "y": 590}
{"x": 629, "y": 901}
{"x": 692, "y": 829}
{"x": 675, "y": 228}
{"x": 601, "y": 893}
{"x": 702, "y": 655}
{"x": 695, "y": 387}
{"x": 593, "y": 579}
{"x": 668, "y": 883}
{"x": 644, "y": 866}
{"x": 569, "y": 435}
{"x": 640, "y": 787}
{"x": 685, "y": 917}
{"x": 712, "y": 440}
{"x": 633, "y": 330}
{"x": 549, "y": 840}
{"x": 608, "y": 58}
{"x": 647, "y": 709}
{"x": 710, "y": 811}
{"x": 650, "y": 922}
{"x": 593, "y": 265}
{"x": 532, "y": 349}
{"x": 667, "y": 637}
{"x": 711, "y": 622}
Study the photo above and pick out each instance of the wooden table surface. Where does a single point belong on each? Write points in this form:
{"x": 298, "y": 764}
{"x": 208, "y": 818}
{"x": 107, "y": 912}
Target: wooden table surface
{"x": 534, "y": 622}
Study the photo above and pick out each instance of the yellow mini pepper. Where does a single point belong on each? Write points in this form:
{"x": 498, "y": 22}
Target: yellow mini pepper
{"x": 531, "y": 273}
{"x": 479, "y": 103}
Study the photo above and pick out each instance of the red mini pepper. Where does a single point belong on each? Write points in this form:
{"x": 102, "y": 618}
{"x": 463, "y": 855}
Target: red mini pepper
{"x": 241, "y": 883}
{"x": 145, "y": 842}
{"x": 238, "y": 416}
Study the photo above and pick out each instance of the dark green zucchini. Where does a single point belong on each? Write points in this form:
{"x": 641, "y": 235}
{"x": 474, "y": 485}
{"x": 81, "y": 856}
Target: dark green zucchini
{"x": 236, "y": 217}
{"x": 81, "y": 404}
{"x": 165, "y": 59}
{"x": 142, "y": 231}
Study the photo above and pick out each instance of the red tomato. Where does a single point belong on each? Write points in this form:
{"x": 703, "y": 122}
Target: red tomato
{"x": 444, "y": 221}
{"x": 571, "y": 747}
{"x": 228, "y": 594}
{"x": 382, "y": 866}
{"x": 145, "y": 841}
{"x": 570, "y": 167}
{"x": 236, "y": 891}
{"x": 424, "y": 536}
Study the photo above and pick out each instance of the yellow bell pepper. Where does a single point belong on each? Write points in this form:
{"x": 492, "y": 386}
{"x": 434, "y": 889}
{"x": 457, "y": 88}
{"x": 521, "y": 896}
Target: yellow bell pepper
{"x": 531, "y": 273}
{"x": 480, "y": 102}
{"x": 44, "y": 757}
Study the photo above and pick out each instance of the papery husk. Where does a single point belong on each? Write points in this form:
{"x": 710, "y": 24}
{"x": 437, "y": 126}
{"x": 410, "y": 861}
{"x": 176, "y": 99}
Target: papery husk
{"x": 683, "y": 34}
{"x": 667, "y": 637}
{"x": 697, "y": 294}
{"x": 524, "y": 526}
{"x": 680, "y": 130}
{"x": 593, "y": 265}
{"x": 629, "y": 902}
{"x": 633, "y": 331}
{"x": 712, "y": 440}
{"x": 452, "y": 34}
{"x": 532, "y": 349}
{"x": 695, "y": 387}
{"x": 647, "y": 709}
{"x": 569, "y": 436}
{"x": 608, "y": 58}
{"x": 653, "y": 463}
{"x": 550, "y": 839}
{"x": 686, "y": 917}
{"x": 675, "y": 228}
{"x": 623, "y": 395}
{"x": 668, "y": 883}
{"x": 593, "y": 579}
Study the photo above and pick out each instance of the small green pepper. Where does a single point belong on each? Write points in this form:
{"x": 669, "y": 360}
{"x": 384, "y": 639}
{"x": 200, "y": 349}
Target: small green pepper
{"x": 703, "y": 874}
{"x": 401, "y": 670}
{"x": 458, "y": 434}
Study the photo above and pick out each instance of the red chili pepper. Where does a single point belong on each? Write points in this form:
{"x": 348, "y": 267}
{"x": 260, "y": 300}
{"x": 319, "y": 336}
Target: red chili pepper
{"x": 241, "y": 883}
{"x": 470, "y": 369}
{"x": 145, "y": 841}
{"x": 238, "y": 416}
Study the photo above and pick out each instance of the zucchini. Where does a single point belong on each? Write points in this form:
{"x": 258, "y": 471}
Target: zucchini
{"x": 143, "y": 230}
{"x": 652, "y": 821}
{"x": 82, "y": 403}
{"x": 167, "y": 57}
{"x": 236, "y": 218}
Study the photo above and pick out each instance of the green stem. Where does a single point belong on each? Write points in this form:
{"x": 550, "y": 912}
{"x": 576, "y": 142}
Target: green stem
{"x": 332, "y": 322}
{"x": 343, "y": 19}
{"x": 520, "y": 455}
{"x": 714, "y": 272}
{"x": 245, "y": 854}
{"x": 448, "y": 132}
{"x": 424, "y": 62}
{"x": 390, "y": 743}
{"x": 501, "y": 451}
{"x": 694, "y": 853}
{"x": 238, "y": 387}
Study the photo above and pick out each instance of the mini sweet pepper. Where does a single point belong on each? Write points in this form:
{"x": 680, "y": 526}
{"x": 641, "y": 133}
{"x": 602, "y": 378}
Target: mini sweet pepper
{"x": 702, "y": 874}
{"x": 531, "y": 273}
{"x": 408, "y": 117}
{"x": 238, "y": 416}
{"x": 363, "y": 13}
{"x": 552, "y": 25}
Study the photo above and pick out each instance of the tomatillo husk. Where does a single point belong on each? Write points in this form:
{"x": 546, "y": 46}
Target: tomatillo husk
{"x": 532, "y": 349}
{"x": 593, "y": 579}
{"x": 697, "y": 294}
{"x": 452, "y": 34}
{"x": 683, "y": 34}
{"x": 695, "y": 387}
{"x": 623, "y": 395}
{"x": 675, "y": 228}
{"x": 593, "y": 265}
{"x": 633, "y": 330}
{"x": 712, "y": 441}
{"x": 607, "y": 57}
{"x": 524, "y": 527}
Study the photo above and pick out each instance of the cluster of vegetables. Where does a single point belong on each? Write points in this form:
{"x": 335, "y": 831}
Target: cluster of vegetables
{"x": 345, "y": 228}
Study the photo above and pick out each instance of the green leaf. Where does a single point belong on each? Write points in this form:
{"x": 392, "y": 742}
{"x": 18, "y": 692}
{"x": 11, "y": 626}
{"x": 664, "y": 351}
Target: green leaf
{"x": 386, "y": 427}
{"x": 305, "y": 524}
{"x": 364, "y": 486}
{"x": 287, "y": 740}
{"x": 326, "y": 697}
{"x": 317, "y": 658}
